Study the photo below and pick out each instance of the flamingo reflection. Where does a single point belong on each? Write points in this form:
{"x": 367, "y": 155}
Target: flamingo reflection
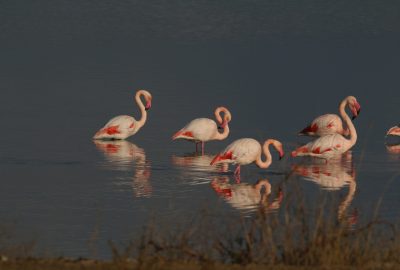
{"x": 197, "y": 167}
{"x": 199, "y": 163}
{"x": 334, "y": 176}
{"x": 247, "y": 197}
{"x": 393, "y": 148}
{"x": 123, "y": 156}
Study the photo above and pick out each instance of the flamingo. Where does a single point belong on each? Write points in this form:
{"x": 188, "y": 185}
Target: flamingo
{"x": 331, "y": 123}
{"x": 245, "y": 151}
{"x": 394, "y": 131}
{"x": 332, "y": 145}
{"x": 123, "y": 126}
{"x": 201, "y": 130}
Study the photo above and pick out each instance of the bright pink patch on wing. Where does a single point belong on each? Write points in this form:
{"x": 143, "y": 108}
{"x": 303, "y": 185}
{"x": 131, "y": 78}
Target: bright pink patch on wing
{"x": 317, "y": 150}
{"x": 132, "y": 125}
{"x": 183, "y": 133}
{"x": 330, "y": 125}
{"x": 224, "y": 156}
{"x": 111, "y": 130}
{"x": 310, "y": 129}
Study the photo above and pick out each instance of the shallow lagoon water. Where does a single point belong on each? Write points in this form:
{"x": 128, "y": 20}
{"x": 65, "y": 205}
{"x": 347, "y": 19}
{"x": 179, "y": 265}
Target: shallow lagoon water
{"x": 72, "y": 195}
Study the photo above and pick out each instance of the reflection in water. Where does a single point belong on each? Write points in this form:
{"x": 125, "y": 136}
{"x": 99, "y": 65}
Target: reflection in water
{"x": 122, "y": 155}
{"x": 334, "y": 176}
{"x": 393, "y": 148}
{"x": 196, "y": 168}
{"x": 246, "y": 197}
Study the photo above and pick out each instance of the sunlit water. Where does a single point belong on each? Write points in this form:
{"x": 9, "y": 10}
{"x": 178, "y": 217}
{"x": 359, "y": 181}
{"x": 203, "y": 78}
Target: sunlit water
{"x": 71, "y": 195}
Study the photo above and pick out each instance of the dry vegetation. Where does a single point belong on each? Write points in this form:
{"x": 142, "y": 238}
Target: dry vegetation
{"x": 291, "y": 238}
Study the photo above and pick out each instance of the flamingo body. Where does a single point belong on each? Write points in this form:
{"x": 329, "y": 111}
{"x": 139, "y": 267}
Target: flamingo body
{"x": 324, "y": 147}
{"x": 119, "y": 128}
{"x": 243, "y": 151}
{"x": 123, "y": 126}
{"x": 394, "y": 131}
{"x": 199, "y": 130}
{"x": 331, "y": 145}
{"x": 331, "y": 123}
{"x": 324, "y": 125}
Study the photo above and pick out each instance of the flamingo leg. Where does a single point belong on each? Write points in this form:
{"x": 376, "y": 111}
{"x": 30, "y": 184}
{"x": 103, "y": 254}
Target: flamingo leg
{"x": 196, "y": 143}
{"x": 237, "y": 170}
{"x": 202, "y": 148}
{"x": 237, "y": 178}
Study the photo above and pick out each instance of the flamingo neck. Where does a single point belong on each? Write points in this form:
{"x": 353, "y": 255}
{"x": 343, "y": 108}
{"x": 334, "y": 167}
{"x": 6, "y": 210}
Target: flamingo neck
{"x": 349, "y": 123}
{"x": 224, "y": 134}
{"x": 265, "y": 164}
{"x": 260, "y": 184}
{"x": 139, "y": 102}
{"x": 224, "y": 122}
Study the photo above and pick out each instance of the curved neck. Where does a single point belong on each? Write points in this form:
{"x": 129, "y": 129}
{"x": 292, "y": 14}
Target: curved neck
{"x": 258, "y": 186}
{"x": 224, "y": 122}
{"x": 139, "y": 102}
{"x": 223, "y": 135}
{"x": 349, "y": 123}
{"x": 265, "y": 164}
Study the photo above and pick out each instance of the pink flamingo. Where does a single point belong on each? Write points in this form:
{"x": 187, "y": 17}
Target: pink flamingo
{"x": 332, "y": 145}
{"x": 123, "y": 126}
{"x": 245, "y": 151}
{"x": 201, "y": 130}
{"x": 332, "y": 123}
{"x": 394, "y": 131}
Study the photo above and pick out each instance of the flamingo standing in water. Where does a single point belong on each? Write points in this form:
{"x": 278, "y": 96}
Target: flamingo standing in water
{"x": 123, "y": 126}
{"x": 201, "y": 130}
{"x": 331, "y": 123}
{"x": 332, "y": 145}
{"x": 245, "y": 151}
{"x": 394, "y": 131}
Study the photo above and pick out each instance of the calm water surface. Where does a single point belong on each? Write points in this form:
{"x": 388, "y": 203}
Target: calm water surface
{"x": 60, "y": 82}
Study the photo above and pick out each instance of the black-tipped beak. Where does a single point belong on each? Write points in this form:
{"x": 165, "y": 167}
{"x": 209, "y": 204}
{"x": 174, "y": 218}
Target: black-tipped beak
{"x": 220, "y": 128}
{"x": 280, "y": 157}
{"x": 355, "y": 116}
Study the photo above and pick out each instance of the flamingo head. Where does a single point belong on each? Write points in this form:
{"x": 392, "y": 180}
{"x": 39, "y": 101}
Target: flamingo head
{"x": 281, "y": 153}
{"x": 354, "y": 107}
{"x": 148, "y": 102}
{"x": 227, "y": 117}
{"x": 223, "y": 124}
{"x": 277, "y": 145}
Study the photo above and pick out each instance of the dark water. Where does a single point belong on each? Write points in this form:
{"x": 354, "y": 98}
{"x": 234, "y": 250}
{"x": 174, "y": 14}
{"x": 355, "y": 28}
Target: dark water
{"x": 67, "y": 67}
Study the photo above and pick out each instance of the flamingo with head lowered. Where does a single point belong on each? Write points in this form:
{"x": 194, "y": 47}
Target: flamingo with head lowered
{"x": 245, "y": 151}
{"x": 201, "y": 130}
{"x": 332, "y": 145}
{"x": 331, "y": 123}
{"x": 123, "y": 126}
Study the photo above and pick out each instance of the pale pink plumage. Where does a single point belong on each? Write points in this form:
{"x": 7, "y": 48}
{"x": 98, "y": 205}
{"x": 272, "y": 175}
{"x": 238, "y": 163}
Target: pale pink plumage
{"x": 245, "y": 151}
{"x": 331, "y": 123}
{"x": 332, "y": 145}
{"x": 123, "y": 126}
{"x": 394, "y": 131}
{"x": 201, "y": 130}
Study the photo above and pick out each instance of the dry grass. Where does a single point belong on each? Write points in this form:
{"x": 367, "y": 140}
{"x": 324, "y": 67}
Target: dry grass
{"x": 292, "y": 238}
